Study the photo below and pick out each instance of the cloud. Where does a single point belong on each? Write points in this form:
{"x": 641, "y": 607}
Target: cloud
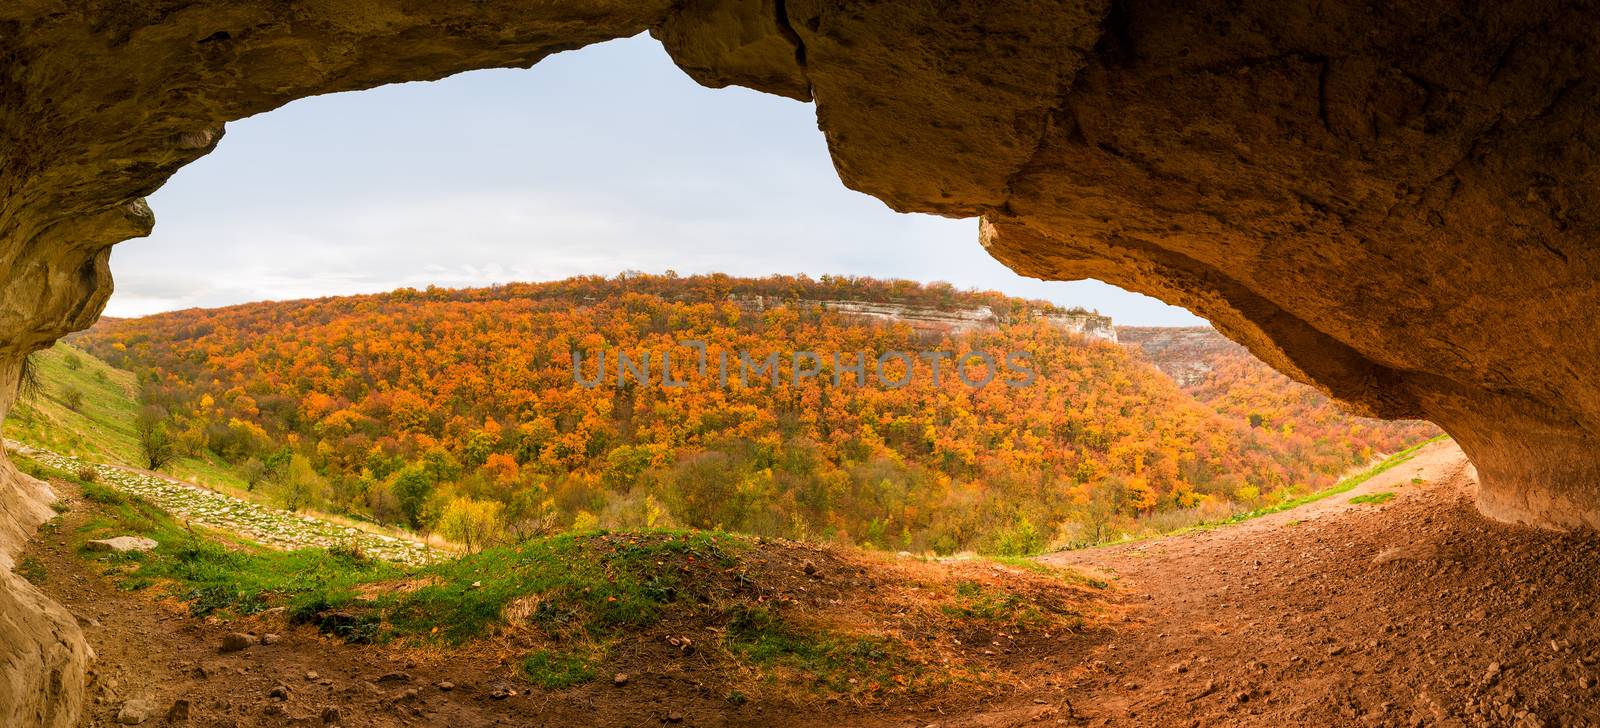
{"x": 501, "y": 176}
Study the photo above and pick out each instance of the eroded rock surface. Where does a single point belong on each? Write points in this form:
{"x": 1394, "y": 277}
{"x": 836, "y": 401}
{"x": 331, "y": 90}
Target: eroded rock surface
{"x": 43, "y": 656}
{"x": 1393, "y": 201}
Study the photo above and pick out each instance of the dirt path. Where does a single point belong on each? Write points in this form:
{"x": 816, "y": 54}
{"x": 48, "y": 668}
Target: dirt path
{"x": 1284, "y": 620}
{"x": 1412, "y": 612}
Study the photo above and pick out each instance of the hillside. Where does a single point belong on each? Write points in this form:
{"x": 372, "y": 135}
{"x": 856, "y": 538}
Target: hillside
{"x": 79, "y": 405}
{"x": 458, "y": 411}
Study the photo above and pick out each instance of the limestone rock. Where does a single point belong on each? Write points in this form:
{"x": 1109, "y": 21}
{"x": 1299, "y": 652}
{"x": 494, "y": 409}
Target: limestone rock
{"x": 43, "y": 656}
{"x": 122, "y": 544}
{"x": 134, "y": 712}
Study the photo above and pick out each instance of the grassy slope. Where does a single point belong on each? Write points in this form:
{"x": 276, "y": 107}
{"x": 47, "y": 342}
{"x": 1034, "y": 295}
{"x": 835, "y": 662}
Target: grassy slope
{"x": 101, "y": 429}
{"x": 102, "y": 426}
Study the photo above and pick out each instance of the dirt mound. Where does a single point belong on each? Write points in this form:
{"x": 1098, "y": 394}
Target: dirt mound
{"x": 745, "y": 631}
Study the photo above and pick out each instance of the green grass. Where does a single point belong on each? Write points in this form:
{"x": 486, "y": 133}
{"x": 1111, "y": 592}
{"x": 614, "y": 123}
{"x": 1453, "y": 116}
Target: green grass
{"x": 587, "y": 590}
{"x": 101, "y": 427}
{"x": 556, "y": 670}
{"x": 590, "y": 585}
{"x": 1373, "y": 498}
{"x": 32, "y": 569}
{"x": 212, "y": 574}
{"x": 207, "y": 570}
{"x": 845, "y": 664}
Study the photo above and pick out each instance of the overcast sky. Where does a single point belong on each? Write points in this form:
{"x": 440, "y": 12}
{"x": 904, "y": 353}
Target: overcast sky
{"x": 593, "y": 162}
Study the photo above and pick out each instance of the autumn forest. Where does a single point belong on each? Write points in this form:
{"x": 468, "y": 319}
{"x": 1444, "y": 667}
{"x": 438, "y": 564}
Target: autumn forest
{"x": 458, "y": 412}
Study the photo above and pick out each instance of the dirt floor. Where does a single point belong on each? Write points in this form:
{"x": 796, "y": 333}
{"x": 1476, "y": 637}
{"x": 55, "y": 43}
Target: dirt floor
{"x": 1414, "y": 611}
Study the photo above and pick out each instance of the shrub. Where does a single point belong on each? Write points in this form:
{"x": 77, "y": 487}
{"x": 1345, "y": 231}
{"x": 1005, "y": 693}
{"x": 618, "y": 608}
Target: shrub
{"x": 473, "y": 523}
{"x": 1021, "y": 539}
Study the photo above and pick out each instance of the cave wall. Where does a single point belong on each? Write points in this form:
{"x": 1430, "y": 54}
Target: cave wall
{"x": 1394, "y": 202}
{"x": 43, "y": 656}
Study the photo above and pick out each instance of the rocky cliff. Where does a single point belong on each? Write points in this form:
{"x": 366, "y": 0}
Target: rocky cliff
{"x": 1396, "y": 202}
{"x": 958, "y": 320}
{"x": 1186, "y": 353}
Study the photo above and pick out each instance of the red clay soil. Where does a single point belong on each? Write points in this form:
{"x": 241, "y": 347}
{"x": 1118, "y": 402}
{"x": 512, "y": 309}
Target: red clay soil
{"x": 1412, "y": 612}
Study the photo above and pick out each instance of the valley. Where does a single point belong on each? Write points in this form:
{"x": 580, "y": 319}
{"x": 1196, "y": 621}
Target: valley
{"x": 445, "y": 411}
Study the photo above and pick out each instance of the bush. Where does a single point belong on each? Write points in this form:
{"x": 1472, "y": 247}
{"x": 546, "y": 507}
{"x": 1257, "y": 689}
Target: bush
{"x": 155, "y": 443}
{"x": 301, "y": 486}
{"x": 88, "y": 474}
{"x": 253, "y": 471}
{"x": 473, "y": 523}
{"x": 1021, "y": 539}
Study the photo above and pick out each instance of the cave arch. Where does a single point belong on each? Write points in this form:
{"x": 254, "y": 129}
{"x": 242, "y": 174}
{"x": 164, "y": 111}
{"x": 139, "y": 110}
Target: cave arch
{"x": 1396, "y": 204}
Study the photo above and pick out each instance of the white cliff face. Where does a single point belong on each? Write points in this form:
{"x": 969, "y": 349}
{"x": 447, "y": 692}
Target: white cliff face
{"x": 1186, "y": 354}
{"x": 934, "y": 321}
{"x": 1088, "y": 325}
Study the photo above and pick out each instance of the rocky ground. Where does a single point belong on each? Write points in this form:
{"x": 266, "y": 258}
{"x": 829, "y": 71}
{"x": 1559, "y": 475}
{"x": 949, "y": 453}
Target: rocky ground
{"x": 1409, "y": 611}
{"x": 264, "y": 524}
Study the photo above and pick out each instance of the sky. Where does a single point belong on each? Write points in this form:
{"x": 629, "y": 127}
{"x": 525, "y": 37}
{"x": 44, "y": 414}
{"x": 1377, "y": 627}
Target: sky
{"x": 594, "y": 161}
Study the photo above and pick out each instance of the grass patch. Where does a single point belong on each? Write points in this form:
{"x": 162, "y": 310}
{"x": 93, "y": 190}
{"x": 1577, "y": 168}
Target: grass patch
{"x": 87, "y": 408}
{"x": 1373, "y": 498}
{"x": 588, "y": 584}
{"x": 975, "y": 601}
{"x": 1039, "y": 567}
{"x": 838, "y": 663}
{"x": 556, "y": 670}
{"x": 208, "y": 571}
{"x": 32, "y": 569}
